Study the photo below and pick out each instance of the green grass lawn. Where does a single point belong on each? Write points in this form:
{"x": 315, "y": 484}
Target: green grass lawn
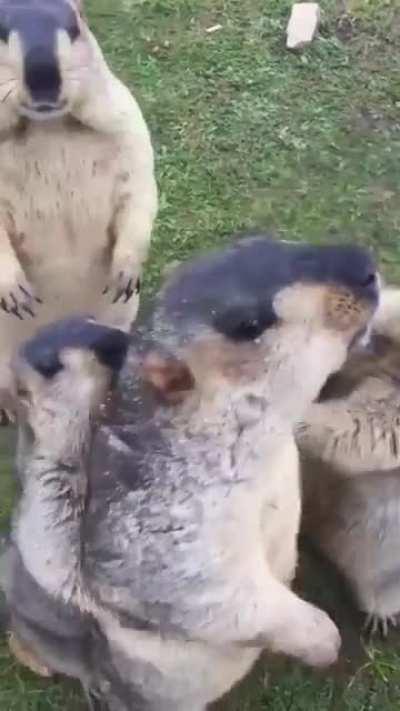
{"x": 247, "y": 134}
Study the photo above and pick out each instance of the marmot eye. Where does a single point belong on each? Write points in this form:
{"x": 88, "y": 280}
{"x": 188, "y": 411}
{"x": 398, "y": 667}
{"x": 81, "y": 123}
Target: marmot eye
{"x": 243, "y": 325}
{"x": 245, "y": 331}
{"x": 370, "y": 279}
{"x": 73, "y": 31}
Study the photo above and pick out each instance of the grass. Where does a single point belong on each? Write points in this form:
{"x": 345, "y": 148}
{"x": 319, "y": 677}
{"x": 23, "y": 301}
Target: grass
{"x": 247, "y": 134}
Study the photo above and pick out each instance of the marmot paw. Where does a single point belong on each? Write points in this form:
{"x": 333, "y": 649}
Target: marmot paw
{"x": 380, "y": 624}
{"x": 27, "y": 657}
{"x": 7, "y": 417}
{"x": 123, "y": 287}
{"x": 323, "y": 643}
{"x": 20, "y": 301}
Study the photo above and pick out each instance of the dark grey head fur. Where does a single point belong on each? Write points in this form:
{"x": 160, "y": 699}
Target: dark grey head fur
{"x": 233, "y": 291}
{"x": 43, "y": 351}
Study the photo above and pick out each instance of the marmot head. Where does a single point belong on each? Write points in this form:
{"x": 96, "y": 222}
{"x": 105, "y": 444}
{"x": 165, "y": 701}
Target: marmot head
{"x": 282, "y": 312}
{"x": 46, "y": 57}
{"x": 378, "y": 357}
{"x": 62, "y": 377}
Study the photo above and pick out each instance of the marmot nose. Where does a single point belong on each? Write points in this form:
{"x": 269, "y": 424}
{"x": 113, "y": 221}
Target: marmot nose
{"x": 353, "y": 266}
{"x": 42, "y": 75}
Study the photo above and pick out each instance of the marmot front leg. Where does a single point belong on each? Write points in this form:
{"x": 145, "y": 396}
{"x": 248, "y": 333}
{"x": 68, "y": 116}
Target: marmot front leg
{"x": 27, "y": 657}
{"x": 276, "y": 619}
{"x": 347, "y": 437}
{"x": 110, "y": 109}
{"x": 131, "y": 231}
{"x": 17, "y": 297}
{"x": 377, "y": 589}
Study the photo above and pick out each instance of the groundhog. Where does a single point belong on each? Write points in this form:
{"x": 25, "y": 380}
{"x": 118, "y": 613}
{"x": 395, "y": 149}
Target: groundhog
{"x": 350, "y": 448}
{"x": 153, "y": 549}
{"x": 77, "y": 188}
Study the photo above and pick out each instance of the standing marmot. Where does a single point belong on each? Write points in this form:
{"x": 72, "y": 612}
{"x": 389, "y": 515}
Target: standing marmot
{"x": 350, "y": 447}
{"x": 77, "y": 188}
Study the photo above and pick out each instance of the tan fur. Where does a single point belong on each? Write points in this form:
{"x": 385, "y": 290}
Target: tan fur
{"x": 77, "y": 195}
{"x": 350, "y": 447}
{"x": 27, "y": 657}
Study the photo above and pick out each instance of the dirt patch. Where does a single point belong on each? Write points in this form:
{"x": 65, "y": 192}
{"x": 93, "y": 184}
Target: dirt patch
{"x": 366, "y": 120}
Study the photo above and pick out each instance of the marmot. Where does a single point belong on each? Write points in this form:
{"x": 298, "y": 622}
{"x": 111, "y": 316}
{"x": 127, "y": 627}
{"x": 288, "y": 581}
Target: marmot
{"x": 162, "y": 543}
{"x": 350, "y": 450}
{"x": 77, "y": 189}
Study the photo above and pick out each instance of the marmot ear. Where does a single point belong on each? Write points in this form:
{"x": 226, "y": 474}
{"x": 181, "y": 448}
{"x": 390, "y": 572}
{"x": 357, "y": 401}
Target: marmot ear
{"x": 168, "y": 375}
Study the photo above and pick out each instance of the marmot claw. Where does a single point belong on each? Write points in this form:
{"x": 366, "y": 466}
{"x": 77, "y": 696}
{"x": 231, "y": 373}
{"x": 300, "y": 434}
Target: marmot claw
{"x": 380, "y": 624}
{"x": 124, "y": 289}
{"x": 7, "y": 417}
{"x": 20, "y": 303}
